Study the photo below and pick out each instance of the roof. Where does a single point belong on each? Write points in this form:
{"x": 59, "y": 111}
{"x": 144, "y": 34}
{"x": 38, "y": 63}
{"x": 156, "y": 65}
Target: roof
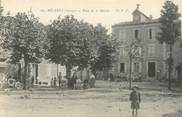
{"x": 141, "y": 13}
{"x": 130, "y": 23}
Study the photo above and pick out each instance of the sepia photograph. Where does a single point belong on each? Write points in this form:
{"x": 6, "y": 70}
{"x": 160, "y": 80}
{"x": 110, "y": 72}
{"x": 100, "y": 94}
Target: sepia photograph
{"x": 90, "y": 58}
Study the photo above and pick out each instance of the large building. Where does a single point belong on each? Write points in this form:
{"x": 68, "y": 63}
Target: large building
{"x": 151, "y": 63}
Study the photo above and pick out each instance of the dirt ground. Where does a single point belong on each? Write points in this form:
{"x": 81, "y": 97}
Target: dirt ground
{"x": 106, "y": 100}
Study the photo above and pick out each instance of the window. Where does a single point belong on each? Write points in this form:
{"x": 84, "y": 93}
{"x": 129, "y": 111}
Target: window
{"x": 136, "y": 67}
{"x": 122, "y": 52}
{"x": 122, "y": 67}
{"x": 151, "y": 50}
{"x": 122, "y": 35}
{"x": 150, "y": 33}
{"x": 136, "y": 34}
{"x": 151, "y": 69}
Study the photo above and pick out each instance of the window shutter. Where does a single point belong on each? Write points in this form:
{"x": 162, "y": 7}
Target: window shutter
{"x": 140, "y": 51}
{"x": 119, "y": 67}
{"x": 125, "y": 67}
{"x": 132, "y": 66}
{"x": 140, "y": 67}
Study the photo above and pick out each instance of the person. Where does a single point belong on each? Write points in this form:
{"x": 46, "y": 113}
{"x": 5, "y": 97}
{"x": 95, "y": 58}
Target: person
{"x": 52, "y": 82}
{"x": 85, "y": 84}
{"x": 55, "y": 81}
{"x": 64, "y": 82}
{"x": 69, "y": 82}
{"x": 135, "y": 98}
{"x": 92, "y": 81}
{"x": 111, "y": 77}
{"x": 73, "y": 80}
{"x": 78, "y": 83}
{"x": 32, "y": 81}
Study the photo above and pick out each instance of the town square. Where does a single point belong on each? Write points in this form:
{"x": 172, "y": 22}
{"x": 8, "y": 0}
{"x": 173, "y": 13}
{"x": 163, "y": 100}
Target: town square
{"x": 90, "y": 58}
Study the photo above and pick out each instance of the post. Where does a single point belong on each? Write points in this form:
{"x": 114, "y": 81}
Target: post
{"x": 130, "y": 59}
{"x": 130, "y": 79}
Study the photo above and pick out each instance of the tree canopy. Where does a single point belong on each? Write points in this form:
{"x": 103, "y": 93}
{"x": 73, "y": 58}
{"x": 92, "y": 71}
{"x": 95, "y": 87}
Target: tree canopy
{"x": 170, "y": 23}
{"x": 23, "y": 36}
{"x": 170, "y": 31}
{"x": 69, "y": 42}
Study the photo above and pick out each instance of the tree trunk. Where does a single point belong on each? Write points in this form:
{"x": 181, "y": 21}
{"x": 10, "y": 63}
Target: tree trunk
{"x": 19, "y": 72}
{"x": 68, "y": 76}
{"x": 105, "y": 73}
{"x": 81, "y": 74}
{"x": 25, "y": 75}
{"x": 170, "y": 66}
{"x": 88, "y": 73}
{"x": 68, "y": 71}
{"x": 59, "y": 79}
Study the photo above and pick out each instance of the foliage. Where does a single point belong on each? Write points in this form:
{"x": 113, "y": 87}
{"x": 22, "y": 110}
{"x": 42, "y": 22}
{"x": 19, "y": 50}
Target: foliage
{"x": 23, "y": 36}
{"x": 69, "y": 43}
{"x": 105, "y": 57}
{"x": 170, "y": 31}
{"x": 170, "y": 23}
{"x": 103, "y": 48}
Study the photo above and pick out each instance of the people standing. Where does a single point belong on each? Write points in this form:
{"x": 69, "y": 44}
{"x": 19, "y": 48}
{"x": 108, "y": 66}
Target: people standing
{"x": 55, "y": 81}
{"x": 135, "y": 98}
{"x": 111, "y": 77}
{"x": 78, "y": 83}
{"x": 52, "y": 82}
{"x": 73, "y": 80}
{"x": 92, "y": 81}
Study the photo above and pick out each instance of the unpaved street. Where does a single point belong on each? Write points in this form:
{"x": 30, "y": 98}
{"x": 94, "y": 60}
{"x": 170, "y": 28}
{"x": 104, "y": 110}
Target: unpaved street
{"x": 104, "y": 101}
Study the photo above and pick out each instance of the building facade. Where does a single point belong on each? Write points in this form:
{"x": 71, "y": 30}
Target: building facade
{"x": 151, "y": 63}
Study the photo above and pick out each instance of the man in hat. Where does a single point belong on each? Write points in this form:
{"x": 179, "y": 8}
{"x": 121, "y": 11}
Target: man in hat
{"x": 135, "y": 99}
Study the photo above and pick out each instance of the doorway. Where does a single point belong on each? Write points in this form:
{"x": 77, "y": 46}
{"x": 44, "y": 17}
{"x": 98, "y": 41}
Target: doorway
{"x": 122, "y": 67}
{"x": 151, "y": 69}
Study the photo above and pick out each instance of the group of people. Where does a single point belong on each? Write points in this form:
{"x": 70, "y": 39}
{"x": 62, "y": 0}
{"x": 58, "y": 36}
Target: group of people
{"x": 74, "y": 82}
{"x": 77, "y": 83}
{"x": 53, "y": 82}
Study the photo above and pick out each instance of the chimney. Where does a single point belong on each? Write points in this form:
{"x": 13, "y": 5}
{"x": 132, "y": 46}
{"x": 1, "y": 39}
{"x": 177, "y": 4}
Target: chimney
{"x": 151, "y": 17}
{"x": 138, "y": 6}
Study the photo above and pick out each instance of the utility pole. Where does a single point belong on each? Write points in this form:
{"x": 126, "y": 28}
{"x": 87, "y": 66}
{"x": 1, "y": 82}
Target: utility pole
{"x": 134, "y": 52}
{"x": 130, "y": 78}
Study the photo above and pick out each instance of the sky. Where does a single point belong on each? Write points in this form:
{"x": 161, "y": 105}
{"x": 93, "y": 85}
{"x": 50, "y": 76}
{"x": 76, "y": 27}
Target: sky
{"x": 106, "y": 12}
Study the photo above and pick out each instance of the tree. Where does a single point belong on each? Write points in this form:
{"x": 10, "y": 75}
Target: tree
{"x": 105, "y": 58}
{"x": 68, "y": 40}
{"x": 170, "y": 31}
{"x": 23, "y": 37}
{"x": 99, "y": 38}
{"x": 86, "y": 35}
{"x": 102, "y": 48}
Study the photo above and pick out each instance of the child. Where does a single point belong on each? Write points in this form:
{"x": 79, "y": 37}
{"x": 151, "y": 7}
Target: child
{"x": 135, "y": 100}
